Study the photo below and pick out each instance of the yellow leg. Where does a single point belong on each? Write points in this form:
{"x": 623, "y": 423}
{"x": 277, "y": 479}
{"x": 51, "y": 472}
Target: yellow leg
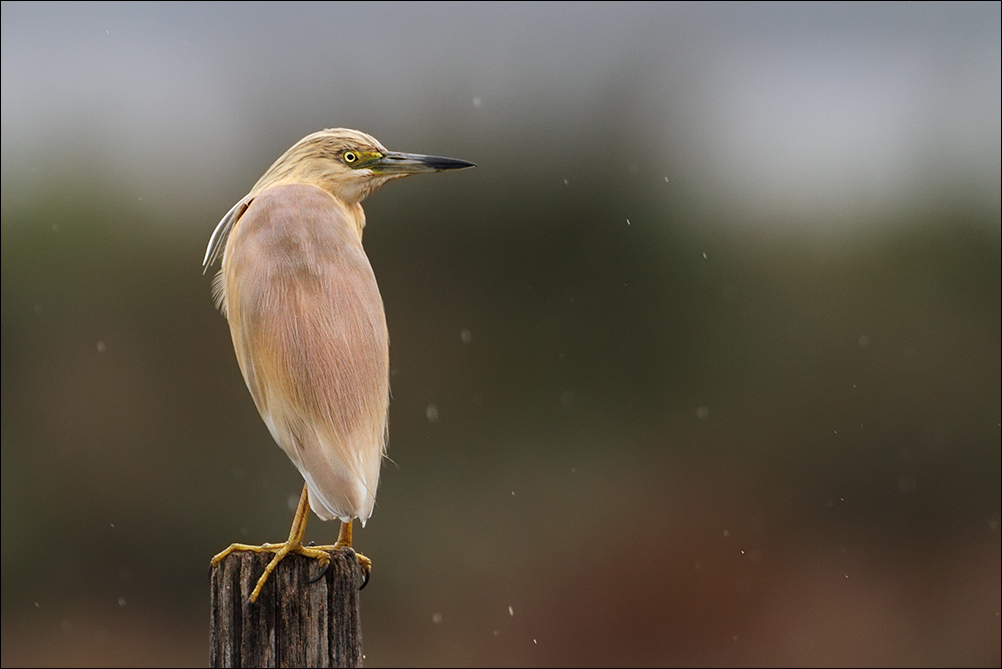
{"x": 293, "y": 545}
{"x": 344, "y": 541}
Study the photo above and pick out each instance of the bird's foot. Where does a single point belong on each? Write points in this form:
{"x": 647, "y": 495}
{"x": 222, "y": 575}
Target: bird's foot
{"x": 366, "y": 566}
{"x": 364, "y": 563}
{"x": 280, "y": 551}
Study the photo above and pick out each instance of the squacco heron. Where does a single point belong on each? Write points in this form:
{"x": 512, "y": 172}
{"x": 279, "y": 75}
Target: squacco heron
{"x": 308, "y": 325}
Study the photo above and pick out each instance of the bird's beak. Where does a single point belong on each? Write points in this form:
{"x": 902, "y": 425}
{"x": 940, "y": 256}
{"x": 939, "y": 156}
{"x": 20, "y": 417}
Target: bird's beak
{"x": 412, "y": 163}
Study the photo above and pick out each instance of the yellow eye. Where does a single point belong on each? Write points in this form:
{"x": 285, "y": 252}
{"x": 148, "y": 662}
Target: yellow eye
{"x": 350, "y": 157}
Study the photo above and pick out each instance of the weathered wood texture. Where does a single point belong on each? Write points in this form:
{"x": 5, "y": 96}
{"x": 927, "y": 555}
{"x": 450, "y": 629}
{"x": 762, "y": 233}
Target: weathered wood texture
{"x": 294, "y": 623}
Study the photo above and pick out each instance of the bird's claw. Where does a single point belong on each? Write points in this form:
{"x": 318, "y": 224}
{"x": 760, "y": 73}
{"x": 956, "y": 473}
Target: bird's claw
{"x": 323, "y": 571}
{"x": 364, "y": 564}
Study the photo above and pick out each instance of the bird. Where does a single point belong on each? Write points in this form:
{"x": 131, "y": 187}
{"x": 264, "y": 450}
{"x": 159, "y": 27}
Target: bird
{"x": 308, "y": 325}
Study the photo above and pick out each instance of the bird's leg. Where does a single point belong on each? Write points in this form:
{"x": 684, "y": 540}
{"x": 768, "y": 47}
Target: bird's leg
{"x": 293, "y": 545}
{"x": 344, "y": 541}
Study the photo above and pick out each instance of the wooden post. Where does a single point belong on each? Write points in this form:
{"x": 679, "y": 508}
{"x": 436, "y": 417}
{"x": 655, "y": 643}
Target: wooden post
{"x": 294, "y": 623}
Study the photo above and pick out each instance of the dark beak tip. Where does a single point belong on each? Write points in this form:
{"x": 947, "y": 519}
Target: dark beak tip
{"x": 442, "y": 164}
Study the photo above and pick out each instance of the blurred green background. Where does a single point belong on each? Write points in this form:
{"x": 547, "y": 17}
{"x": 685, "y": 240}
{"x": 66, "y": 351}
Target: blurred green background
{"x": 701, "y": 365}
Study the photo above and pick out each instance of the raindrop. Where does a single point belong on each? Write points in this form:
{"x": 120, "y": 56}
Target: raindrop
{"x": 478, "y": 103}
{"x": 702, "y": 412}
{"x": 121, "y": 602}
{"x": 465, "y": 336}
{"x": 431, "y": 413}
{"x": 511, "y": 611}
{"x": 436, "y": 618}
{"x": 101, "y": 347}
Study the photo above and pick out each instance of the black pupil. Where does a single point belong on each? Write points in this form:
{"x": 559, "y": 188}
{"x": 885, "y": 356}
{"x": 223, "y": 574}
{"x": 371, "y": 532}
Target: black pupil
{"x": 350, "y": 157}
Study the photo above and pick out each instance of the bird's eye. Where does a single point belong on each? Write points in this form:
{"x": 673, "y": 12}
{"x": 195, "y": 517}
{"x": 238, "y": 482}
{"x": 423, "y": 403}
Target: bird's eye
{"x": 350, "y": 157}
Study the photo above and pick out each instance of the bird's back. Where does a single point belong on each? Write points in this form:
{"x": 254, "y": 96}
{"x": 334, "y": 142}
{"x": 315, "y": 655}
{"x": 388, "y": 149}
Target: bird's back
{"x": 310, "y": 336}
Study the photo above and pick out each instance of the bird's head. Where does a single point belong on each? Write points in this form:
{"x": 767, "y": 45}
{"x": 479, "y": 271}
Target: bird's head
{"x": 348, "y": 164}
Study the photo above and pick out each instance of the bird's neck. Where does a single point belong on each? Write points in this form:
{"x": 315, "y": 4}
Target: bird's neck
{"x": 356, "y": 217}
{"x": 352, "y": 211}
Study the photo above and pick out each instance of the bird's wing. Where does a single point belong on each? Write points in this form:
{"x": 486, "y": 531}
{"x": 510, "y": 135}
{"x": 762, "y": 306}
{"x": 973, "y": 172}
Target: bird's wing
{"x": 310, "y": 336}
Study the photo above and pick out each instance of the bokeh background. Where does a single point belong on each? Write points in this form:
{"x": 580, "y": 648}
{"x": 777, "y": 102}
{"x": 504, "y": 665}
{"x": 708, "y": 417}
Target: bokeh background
{"x": 701, "y": 365}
